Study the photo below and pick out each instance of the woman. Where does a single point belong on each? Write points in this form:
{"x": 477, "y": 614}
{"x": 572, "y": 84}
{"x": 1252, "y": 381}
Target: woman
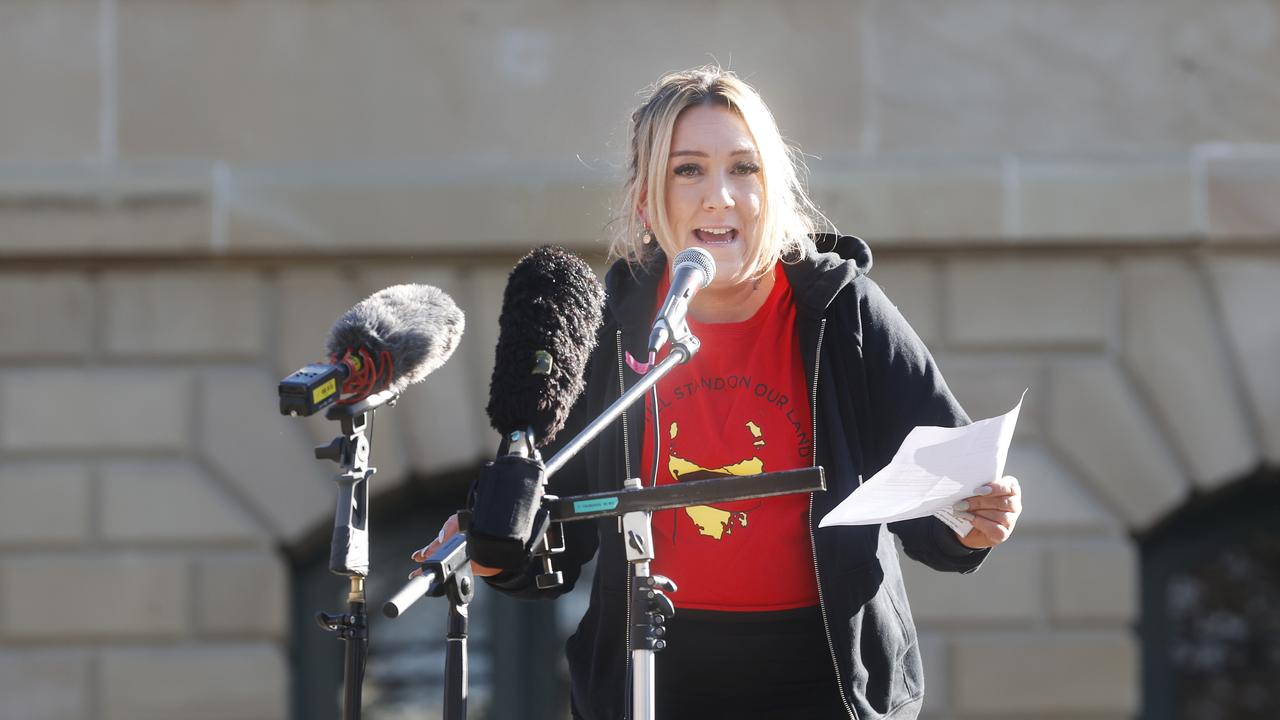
{"x": 804, "y": 361}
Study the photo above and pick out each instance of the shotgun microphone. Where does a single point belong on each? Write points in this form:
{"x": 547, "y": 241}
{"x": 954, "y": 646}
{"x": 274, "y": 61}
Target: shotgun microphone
{"x": 551, "y": 311}
{"x": 388, "y": 341}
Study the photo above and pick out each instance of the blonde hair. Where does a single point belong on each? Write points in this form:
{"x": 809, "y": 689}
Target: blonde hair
{"x": 787, "y": 215}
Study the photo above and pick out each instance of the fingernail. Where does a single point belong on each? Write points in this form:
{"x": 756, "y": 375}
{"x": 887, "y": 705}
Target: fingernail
{"x": 984, "y": 490}
{"x": 961, "y": 506}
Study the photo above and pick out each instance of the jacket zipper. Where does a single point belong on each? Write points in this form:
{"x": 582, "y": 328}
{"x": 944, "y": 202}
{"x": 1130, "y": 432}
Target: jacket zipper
{"x": 626, "y": 459}
{"x": 813, "y": 541}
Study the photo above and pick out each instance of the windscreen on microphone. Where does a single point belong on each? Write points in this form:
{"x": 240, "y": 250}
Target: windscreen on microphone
{"x": 416, "y": 326}
{"x": 551, "y": 312}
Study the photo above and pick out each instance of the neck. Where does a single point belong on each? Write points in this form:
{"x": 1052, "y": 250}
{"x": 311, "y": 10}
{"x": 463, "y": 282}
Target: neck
{"x": 734, "y": 303}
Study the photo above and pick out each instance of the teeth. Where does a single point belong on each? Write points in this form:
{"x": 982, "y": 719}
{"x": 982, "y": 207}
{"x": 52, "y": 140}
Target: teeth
{"x": 716, "y": 231}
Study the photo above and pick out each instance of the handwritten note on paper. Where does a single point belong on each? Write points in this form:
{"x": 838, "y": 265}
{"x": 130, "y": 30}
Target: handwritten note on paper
{"x": 935, "y": 468}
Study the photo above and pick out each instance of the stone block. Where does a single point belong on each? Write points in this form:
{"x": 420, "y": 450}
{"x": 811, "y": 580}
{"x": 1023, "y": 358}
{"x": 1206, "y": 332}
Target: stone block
{"x": 1239, "y": 193}
{"x": 1093, "y": 580}
{"x": 1172, "y": 348}
{"x": 170, "y": 501}
{"x": 1053, "y": 498}
{"x": 94, "y": 210}
{"x": 1028, "y": 303}
{"x": 910, "y": 199}
{"x": 1007, "y": 589}
{"x": 1108, "y": 199}
{"x": 914, "y": 286}
{"x": 49, "y": 54}
{"x": 1246, "y": 292}
{"x": 92, "y": 595}
{"x": 489, "y": 214}
{"x": 266, "y": 456}
{"x": 222, "y": 582}
{"x": 44, "y": 502}
{"x": 1097, "y": 422}
{"x": 187, "y": 70}
{"x": 1045, "y": 674}
{"x": 100, "y": 409}
{"x": 238, "y": 682}
{"x": 1056, "y": 76}
{"x": 988, "y": 386}
{"x": 45, "y": 684}
{"x": 196, "y": 313}
{"x": 441, "y": 422}
{"x": 46, "y": 315}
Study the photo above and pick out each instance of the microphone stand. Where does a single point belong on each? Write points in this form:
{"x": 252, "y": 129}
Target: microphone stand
{"x": 349, "y": 547}
{"x": 446, "y": 572}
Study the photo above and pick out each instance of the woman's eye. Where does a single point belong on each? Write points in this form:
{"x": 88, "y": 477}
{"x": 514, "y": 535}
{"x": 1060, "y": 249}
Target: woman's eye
{"x": 747, "y": 168}
{"x": 688, "y": 170}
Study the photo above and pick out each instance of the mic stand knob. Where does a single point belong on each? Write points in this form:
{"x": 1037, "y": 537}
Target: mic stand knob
{"x": 652, "y": 610}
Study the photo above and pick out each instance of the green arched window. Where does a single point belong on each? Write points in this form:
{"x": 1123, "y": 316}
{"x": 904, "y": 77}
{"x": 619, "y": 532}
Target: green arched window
{"x": 1211, "y": 607}
{"x": 515, "y": 647}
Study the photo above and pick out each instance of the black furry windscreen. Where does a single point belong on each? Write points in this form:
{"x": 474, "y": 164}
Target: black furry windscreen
{"x": 551, "y": 312}
{"x": 419, "y": 325}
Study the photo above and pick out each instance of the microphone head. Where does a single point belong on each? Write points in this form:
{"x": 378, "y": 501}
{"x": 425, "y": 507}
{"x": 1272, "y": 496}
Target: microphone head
{"x": 700, "y": 259}
{"x": 418, "y": 325}
{"x": 551, "y": 311}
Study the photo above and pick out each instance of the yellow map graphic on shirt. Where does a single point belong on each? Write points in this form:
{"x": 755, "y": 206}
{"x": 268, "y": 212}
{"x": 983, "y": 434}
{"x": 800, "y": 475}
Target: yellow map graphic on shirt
{"x": 711, "y": 521}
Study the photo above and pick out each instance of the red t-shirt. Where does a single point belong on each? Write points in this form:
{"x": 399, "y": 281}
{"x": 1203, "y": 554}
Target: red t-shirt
{"x": 739, "y": 407}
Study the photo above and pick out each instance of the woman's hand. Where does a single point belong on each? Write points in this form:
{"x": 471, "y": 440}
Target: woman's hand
{"x": 993, "y": 513}
{"x": 449, "y": 530}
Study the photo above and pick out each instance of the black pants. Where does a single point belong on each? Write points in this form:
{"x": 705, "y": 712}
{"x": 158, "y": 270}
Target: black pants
{"x": 747, "y": 667}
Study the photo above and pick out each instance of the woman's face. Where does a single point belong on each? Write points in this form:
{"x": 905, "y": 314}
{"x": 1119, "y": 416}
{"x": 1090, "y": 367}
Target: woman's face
{"x": 714, "y": 190}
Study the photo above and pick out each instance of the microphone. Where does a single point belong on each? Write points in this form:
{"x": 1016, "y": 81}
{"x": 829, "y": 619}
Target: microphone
{"x": 388, "y": 341}
{"x": 693, "y": 270}
{"x": 551, "y": 311}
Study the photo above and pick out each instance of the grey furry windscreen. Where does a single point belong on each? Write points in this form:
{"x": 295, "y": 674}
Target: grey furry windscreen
{"x": 419, "y": 325}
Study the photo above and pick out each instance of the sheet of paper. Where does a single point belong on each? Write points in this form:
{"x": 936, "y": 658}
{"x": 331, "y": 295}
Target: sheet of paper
{"x": 934, "y": 468}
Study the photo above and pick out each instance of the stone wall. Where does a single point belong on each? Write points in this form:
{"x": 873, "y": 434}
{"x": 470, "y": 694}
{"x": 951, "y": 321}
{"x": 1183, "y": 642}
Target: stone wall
{"x": 1072, "y": 197}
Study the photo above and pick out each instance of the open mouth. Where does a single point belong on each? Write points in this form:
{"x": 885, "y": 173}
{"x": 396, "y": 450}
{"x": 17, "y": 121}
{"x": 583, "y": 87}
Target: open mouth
{"x": 716, "y": 236}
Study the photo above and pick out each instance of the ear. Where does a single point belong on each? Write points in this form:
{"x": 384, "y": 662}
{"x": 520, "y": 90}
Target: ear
{"x": 642, "y": 205}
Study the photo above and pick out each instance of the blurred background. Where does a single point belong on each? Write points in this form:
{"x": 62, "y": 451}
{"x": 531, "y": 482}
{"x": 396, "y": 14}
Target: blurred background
{"x": 1080, "y": 198}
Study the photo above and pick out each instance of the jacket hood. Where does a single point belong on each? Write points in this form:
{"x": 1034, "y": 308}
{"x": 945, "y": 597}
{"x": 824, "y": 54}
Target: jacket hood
{"x": 829, "y": 263}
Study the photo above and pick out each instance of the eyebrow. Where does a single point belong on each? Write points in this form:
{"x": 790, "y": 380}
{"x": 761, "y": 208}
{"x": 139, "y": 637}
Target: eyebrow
{"x": 699, "y": 153}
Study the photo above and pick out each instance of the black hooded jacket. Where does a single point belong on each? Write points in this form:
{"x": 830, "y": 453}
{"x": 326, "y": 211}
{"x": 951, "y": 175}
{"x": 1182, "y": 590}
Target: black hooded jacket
{"x": 871, "y": 381}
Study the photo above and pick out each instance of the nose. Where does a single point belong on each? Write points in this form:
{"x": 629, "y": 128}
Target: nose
{"x": 719, "y": 195}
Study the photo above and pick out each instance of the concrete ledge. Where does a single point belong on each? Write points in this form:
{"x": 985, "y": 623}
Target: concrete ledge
{"x": 1240, "y": 186}
{"x": 1113, "y": 198}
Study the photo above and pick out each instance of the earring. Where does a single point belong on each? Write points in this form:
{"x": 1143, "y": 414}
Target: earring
{"x": 646, "y": 235}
